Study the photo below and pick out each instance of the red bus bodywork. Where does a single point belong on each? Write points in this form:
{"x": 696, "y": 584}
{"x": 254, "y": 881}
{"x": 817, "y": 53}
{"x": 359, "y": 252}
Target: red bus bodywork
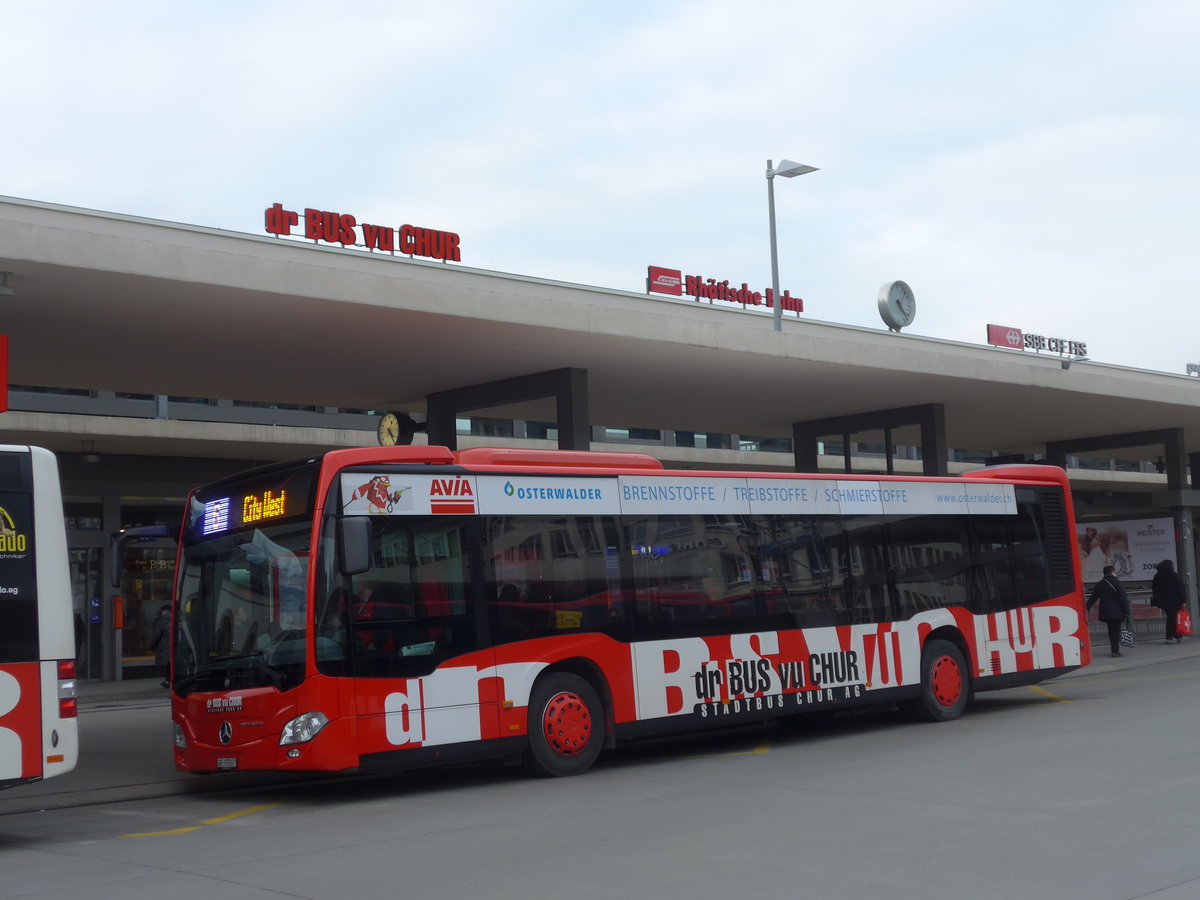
{"x": 478, "y": 704}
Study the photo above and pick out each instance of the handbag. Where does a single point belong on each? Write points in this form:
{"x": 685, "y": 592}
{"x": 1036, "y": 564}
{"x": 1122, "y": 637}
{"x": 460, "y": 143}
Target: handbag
{"x": 1183, "y": 622}
{"x": 1127, "y": 639}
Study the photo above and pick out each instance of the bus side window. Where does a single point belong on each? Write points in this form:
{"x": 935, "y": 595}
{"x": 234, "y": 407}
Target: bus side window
{"x": 927, "y": 558}
{"x": 693, "y": 575}
{"x": 991, "y": 586}
{"x": 861, "y": 576}
{"x": 1030, "y": 571}
{"x": 795, "y": 573}
{"x": 553, "y": 575}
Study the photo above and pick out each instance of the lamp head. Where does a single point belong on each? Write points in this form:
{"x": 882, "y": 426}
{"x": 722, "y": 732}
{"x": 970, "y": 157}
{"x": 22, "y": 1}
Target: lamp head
{"x": 789, "y": 169}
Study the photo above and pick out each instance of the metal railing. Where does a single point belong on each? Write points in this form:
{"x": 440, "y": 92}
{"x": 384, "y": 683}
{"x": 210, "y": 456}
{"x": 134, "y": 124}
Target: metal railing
{"x": 1148, "y": 621}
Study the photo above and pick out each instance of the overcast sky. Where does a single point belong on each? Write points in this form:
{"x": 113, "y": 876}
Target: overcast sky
{"x": 1028, "y": 163}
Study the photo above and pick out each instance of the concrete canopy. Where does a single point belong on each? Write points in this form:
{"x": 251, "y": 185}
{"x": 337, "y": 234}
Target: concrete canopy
{"x": 111, "y": 302}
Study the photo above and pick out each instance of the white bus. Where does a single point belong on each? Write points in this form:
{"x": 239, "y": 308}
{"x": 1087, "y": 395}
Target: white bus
{"x": 39, "y": 736}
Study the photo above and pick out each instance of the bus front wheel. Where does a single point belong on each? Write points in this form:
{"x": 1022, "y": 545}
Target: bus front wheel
{"x": 566, "y": 726}
{"x": 945, "y": 683}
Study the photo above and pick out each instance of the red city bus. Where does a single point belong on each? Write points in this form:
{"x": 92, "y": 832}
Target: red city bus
{"x": 39, "y": 735}
{"x": 382, "y": 608}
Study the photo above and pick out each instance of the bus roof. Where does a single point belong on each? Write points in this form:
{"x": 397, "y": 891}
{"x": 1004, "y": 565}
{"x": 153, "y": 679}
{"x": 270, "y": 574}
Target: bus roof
{"x": 508, "y": 458}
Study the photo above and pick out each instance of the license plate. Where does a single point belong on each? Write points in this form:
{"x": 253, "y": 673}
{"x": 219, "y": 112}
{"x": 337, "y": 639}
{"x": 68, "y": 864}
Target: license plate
{"x": 226, "y": 762}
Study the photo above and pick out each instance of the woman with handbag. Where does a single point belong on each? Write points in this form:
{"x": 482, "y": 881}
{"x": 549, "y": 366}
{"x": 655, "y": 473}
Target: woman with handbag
{"x": 1114, "y": 606}
{"x": 1166, "y": 592}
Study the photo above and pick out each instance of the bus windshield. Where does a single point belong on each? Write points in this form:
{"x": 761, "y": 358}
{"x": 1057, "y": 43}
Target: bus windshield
{"x": 243, "y": 569}
{"x": 242, "y": 610}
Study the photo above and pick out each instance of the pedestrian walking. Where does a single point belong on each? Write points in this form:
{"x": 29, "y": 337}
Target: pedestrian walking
{"x": 160, "y": 642}
{"x": 1114, "y": 606}
{"x": 1166, "y": 592}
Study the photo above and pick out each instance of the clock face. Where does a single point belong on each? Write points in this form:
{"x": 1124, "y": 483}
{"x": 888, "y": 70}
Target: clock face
{"x": 389, "y": 430}
{"x": 906, "y": 304}
{"x": 897, "y": 305}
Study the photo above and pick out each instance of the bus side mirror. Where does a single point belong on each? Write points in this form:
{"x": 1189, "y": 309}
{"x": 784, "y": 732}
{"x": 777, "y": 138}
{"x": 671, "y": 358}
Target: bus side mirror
{"x": 122, "y": 538}
{"x": 354, "y": 545}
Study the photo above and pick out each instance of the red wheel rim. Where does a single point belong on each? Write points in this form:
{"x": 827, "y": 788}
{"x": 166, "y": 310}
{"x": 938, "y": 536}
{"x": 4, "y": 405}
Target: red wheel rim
{"x": 567, "y": 724}
{"x": 945, "y": 678}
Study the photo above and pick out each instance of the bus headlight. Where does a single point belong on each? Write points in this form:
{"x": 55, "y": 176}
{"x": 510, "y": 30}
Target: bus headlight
{"x": 180, "y": 739}
{"x": 303, "y": 729}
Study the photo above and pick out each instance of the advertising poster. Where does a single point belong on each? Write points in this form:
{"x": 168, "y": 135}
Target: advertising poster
{"x": 1133, "y": 547}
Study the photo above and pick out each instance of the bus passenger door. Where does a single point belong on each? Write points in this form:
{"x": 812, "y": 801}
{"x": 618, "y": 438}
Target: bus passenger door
{"x": 414, "y": 620}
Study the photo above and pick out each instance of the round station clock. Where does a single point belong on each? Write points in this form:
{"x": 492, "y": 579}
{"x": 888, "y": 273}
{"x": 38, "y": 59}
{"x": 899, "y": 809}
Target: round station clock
{"x": 388, "y": 430}
{"x": 897, "y": 305}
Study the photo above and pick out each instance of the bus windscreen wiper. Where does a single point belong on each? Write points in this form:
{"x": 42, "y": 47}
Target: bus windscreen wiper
{"x": 251, "y": 660}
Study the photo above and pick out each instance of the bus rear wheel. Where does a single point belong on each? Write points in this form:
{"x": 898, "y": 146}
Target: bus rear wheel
{"x": 945, "y": 683}
{"x": 566, "y": 726}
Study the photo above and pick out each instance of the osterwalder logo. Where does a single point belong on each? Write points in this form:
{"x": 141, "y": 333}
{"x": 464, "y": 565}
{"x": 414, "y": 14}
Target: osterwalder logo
{"x": 509, "y": 490}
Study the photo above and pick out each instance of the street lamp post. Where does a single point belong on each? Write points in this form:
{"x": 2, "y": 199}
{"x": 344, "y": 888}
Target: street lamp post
{"x": 787, "y": 169}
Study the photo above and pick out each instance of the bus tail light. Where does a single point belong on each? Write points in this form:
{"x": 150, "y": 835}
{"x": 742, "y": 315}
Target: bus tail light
{"x": 303, "y": 729}
{"x": 68, "y": 696}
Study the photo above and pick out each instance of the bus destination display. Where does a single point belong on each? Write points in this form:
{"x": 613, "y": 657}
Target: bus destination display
{"x": 254, "y": 504}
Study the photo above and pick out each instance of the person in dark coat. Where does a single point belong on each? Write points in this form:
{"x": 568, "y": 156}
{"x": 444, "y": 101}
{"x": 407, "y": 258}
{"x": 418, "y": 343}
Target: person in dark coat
{"x": 1114, "y": 606}
{"x": 160, "y": 641}
{"x": 1166, "y": 592}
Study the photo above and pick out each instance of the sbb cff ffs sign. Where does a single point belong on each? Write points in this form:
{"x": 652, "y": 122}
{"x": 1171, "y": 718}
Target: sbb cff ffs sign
{"x": 1003, "y": 336}
{"x": 1016, "y": 339}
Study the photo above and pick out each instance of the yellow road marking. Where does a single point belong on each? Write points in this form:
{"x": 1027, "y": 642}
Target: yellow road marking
{"x": 217, "y": 821}
{"x": 162, "y": 833}
{"x": 238, "y": 815}
{"x": 1047, "y": 694}
{"x": 762, "y": 748}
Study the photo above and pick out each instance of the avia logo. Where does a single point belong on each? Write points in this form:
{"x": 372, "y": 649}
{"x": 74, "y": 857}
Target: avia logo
{"x": 509, "y": 490}
{"x": 452, "y": 496}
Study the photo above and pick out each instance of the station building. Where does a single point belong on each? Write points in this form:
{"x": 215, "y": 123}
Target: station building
{"x": 153, "y": 356}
